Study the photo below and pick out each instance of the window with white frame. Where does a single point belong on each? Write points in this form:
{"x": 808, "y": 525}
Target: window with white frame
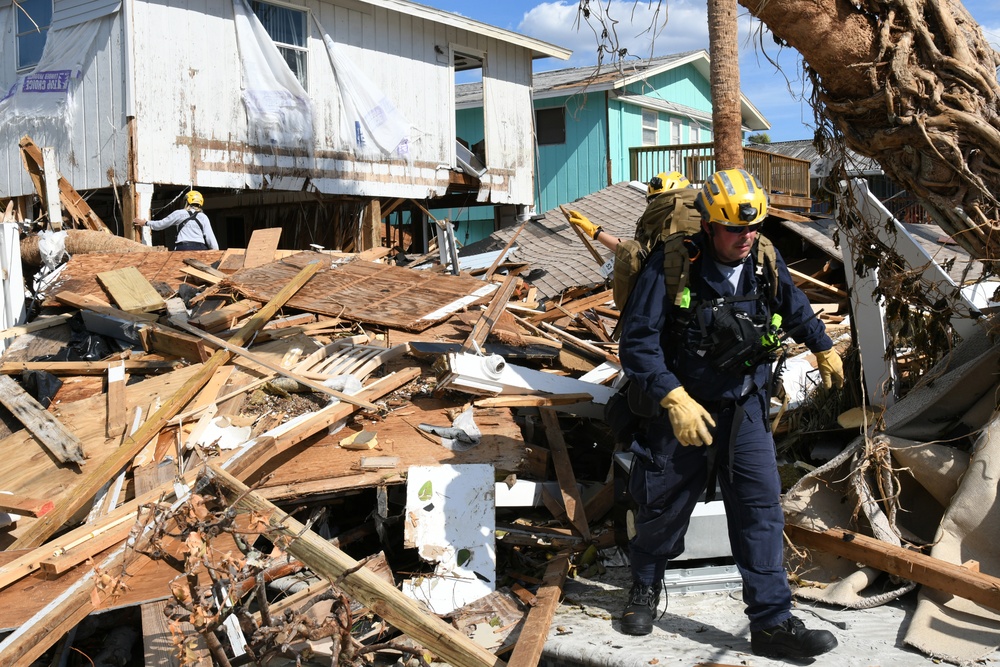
{"x": 650, "y": 127}
{"x": 693, "y": 133}
{"x": 33, "y": 19}
{"x": 287, "y": 27}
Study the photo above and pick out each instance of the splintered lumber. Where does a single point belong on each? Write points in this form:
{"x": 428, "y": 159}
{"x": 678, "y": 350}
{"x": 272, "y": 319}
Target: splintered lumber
{"x": 818, "y": 283}
{"x": 564, "y": 473}
{"x": 23, "y": 505}
{"x": 384, "y": 599}
{"x": 226, "y": 316}
{"x": 276, "y": 368}
{"x": 31, "y": 327}
{"x": 574, "y": 307}
{"x": 926, "y": 570}
{"x": 583, "y": 237}
{"x": 244, "y": 464}
{"x": 531, "y": 641}
{"x": 531, "y": 400}
{"x": 116, "y": 401}
{"x": 50, "y": 432}
{"x": 74, "y": 203}
{"x": 482, "y": 328}
{"x": 85, "y": 367}
{"x": 87, "y": 488}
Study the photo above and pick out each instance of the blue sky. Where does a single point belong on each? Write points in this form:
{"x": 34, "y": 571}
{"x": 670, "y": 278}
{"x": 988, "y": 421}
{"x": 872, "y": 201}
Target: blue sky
{"x": 778, "y": 95}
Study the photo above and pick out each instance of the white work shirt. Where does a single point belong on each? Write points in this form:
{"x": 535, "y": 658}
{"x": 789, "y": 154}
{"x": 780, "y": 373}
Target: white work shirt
{"x": 198, "y": 230}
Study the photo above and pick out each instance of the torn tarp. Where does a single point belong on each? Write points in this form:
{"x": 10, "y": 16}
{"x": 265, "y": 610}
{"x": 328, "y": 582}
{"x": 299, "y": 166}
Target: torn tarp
{"x": 279, "y": 112}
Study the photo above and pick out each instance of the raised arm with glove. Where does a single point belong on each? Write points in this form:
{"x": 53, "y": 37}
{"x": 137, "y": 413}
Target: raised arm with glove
{"x": 583, "y": 222}
{"x": 688, "y": 418}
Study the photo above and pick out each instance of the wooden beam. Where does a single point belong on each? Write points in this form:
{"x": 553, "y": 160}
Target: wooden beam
{"x": 87, "y": 488}
{"x": 528, "y": 650}
{"x": 818, "y": 283}
{"x": 273, "y": 367}
{"x": 484, "y": 325}
{"x": 38, "y": 325}
{"x": 384, "y": 599}
{"x": 57, "y": 440}
{"x": 937, "y": 574}
{"x": 531, "y": 400}
{"x": 24, "y": 505}
{"x": 564, "y": 473}
{"x": 74, "y": 204}
{"x": 583, "y": 238}
{"x": 371, "y": 225}
{"x": 86, "y": 367}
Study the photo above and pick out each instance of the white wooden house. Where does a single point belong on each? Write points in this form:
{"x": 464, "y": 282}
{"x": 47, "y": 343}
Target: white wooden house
{"x": 284, "y": 101}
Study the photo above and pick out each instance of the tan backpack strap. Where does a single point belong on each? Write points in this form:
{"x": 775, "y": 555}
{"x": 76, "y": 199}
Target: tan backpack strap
{"x": 768, "y": 259}
{"x": 676, "y": 266}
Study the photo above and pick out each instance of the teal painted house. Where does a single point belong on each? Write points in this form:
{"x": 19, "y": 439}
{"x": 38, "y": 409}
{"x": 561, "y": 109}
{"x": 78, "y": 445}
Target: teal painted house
{"x": 587, "y": 119}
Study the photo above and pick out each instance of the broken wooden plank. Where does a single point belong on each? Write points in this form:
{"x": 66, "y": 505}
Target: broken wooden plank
{"x": 335, "y": 566}
{"x": 25, "y": 506}
{"x": 225, "y": 317}
{"x": 37, "y": 325}
{"x": 116, "y": 400}
{"x": 85, "y": 367}
{"x": 564, "y": 473}
{"x": 58, "y": 440}
{"x": 87, "y": 488}
{"x": 530, "y": 400}
{"x": 74, "y": 203}
{"x": 911, "y": 565}
{"x": 484, "y": 325}
{"x": 535, "y": 632}
{"x": 130, "y": 290}
{"x": 276, "y": 368}
{"x": 260, "y": 249}
{"x": 818, "y": 283}
{"x": 168, "y": 341}
{"x": 203, "y": 276}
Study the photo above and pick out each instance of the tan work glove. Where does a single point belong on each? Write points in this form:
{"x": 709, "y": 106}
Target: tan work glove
{"x": 831, "y": 368}
{"x": 689, "y": 419}
{"x": 585, "y": 225}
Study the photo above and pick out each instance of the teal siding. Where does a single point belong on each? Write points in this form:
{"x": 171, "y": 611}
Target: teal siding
{"x": 469, "y": 125}
{"x": 578, "y": 167}
{"x": 684, "y": 85}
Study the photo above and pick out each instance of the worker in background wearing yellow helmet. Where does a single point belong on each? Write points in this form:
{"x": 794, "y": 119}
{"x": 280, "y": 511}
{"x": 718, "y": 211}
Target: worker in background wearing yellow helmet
{"x": 694, "y": 344}
{"x": 194, "y": 230}
{"x": 659, "y": 184}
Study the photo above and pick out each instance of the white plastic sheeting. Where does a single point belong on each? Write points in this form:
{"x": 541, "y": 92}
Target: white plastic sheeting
{"x": 12, "y": 310}
{"x": 279, "y": 112}
{"x": 46, "y": 93}
{"x": 376, "y": 125}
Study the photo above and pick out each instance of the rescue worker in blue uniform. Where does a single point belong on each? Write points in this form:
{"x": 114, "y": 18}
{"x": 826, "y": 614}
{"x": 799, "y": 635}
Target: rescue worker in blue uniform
{"x": 713, "y": 418}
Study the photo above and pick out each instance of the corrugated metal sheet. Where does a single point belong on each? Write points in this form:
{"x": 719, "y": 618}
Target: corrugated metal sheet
{"x": 68, "y": 13}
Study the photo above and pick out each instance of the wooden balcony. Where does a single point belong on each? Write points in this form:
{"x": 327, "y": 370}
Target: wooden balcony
{"x": 786, "y": 179}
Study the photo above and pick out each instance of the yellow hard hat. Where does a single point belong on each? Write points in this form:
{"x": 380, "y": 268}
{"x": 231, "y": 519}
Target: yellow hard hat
{"x": 662, "y": 182}
{"x": 194, "y": 198}
{"x": 734, "y": 198}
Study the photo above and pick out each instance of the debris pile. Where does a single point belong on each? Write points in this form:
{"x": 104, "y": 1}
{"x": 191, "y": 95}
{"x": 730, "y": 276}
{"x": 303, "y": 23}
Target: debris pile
{"x": 262, "y": 455}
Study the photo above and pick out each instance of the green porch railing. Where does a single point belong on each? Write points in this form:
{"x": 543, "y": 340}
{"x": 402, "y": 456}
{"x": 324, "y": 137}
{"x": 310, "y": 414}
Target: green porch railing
{"x": 779, "y": 174}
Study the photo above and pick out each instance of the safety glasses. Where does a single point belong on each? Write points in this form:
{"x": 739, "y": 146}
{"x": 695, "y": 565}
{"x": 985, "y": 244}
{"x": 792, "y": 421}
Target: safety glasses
{"x": 741, "y": 229}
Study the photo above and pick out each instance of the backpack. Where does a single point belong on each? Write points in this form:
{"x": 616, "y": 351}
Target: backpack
{"x": 670, "y": 213}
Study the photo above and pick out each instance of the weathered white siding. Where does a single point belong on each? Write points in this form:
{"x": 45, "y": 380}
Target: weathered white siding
{"x": 184, "y": 90}
{"x": 95, "y": 140}
{"x": 191, "y": 126}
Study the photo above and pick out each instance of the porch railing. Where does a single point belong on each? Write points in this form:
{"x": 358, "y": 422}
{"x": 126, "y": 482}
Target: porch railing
{"x": 779, "y": 174}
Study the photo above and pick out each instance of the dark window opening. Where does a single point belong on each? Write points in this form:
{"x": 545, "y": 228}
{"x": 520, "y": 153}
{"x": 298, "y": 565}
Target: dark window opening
{"x": 550, "y": 125}
{"x": 33, "y": 19}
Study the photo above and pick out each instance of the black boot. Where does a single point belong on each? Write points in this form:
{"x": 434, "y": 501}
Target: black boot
{"x": 643, "y": 600}
{"x": 791, "y": 639}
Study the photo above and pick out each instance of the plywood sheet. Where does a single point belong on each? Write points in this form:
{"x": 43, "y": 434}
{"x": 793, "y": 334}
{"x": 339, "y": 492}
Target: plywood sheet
{"x": 260, "y": 250}
{"x": 130, "y": 290}
{"x": 80, "y": 274}
{"x": 324, "y": 467}
{"x": 365, "y": 291}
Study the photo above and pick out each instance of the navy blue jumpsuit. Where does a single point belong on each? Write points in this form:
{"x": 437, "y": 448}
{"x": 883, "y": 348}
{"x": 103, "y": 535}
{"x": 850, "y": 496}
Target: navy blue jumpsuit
{"x": 668, "y": 478}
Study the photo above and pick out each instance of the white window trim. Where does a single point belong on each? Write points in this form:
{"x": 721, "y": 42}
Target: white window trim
{"x": 655, "y": 127}
{"x": 305, "y": 31}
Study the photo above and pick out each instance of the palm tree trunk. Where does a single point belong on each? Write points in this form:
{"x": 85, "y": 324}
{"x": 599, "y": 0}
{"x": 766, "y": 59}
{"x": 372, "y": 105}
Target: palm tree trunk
{"x": 725, "y": 81}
